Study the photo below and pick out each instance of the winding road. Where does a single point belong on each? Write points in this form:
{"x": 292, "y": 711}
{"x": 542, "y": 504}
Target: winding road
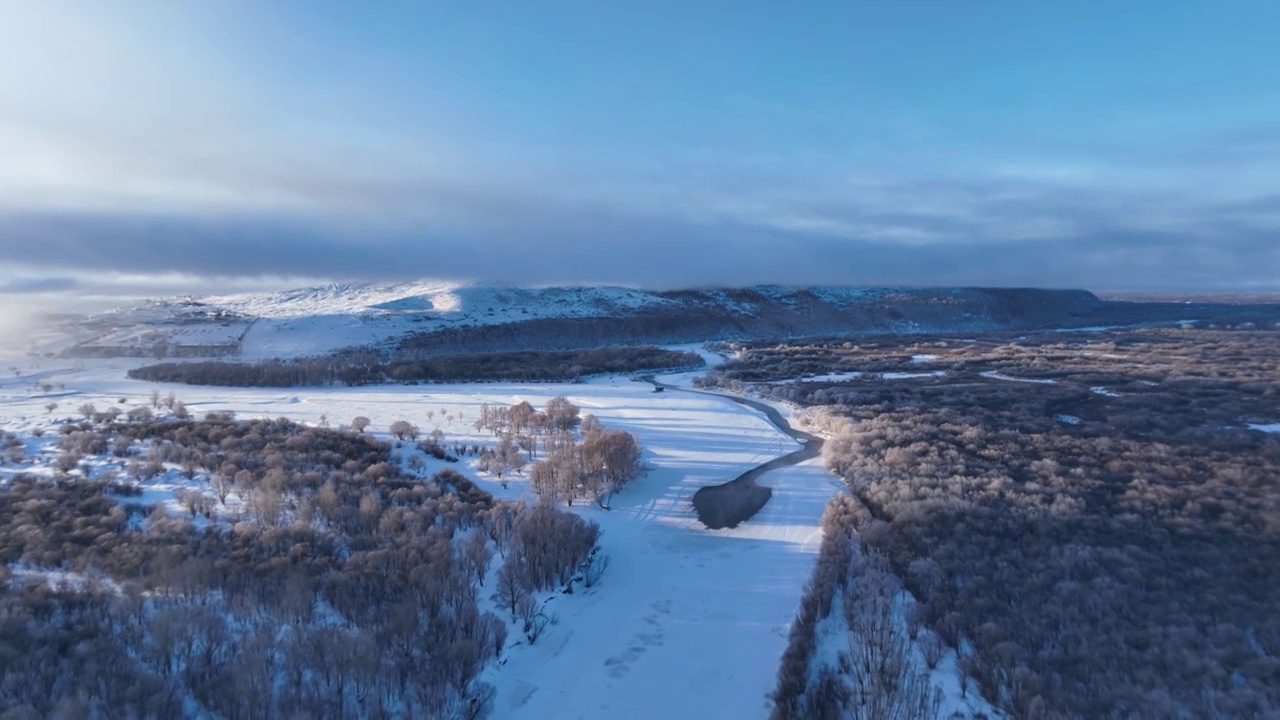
{"x": 731, "y": 503}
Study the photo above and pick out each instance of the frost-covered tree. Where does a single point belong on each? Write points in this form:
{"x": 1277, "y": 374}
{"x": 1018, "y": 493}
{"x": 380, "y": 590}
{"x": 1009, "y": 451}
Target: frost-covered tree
{"x": 611, "y": 459}
{"x": 520, "y": 415}
{"x": 474, "y": 555}
{"x": 404, "y": 430}
{"x": 886, "y": 679}
{"x": 510, "y": 589}
{"x": 562, "y": 415}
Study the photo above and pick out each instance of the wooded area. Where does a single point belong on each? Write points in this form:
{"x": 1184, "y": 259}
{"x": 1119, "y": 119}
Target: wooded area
{"x": 347, "y": 588}
{"x": 1105, "y": 546}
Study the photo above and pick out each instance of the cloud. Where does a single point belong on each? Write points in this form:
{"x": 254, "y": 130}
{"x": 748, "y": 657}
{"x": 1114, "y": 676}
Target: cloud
{"x": 147, "y": 157}
{"x": 1028, "y": 241}
{"x": 28, "y": 285}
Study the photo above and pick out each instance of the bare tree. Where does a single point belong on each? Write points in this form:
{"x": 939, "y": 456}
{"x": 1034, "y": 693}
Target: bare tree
{"x": 533, "y": 618}
{"x": 611, "y": 459}
{"x": 404, "y": 430}
{"x": 67, "y": 461}
{"x": 222, "y": 486}
{"x": 594, "y": 568}
{"x": 590, "y": 424}
{"x": 266, "y": 504}
{"x": 475, "y": 555}
{"x": 520, "y": 415}
{"x": 545, "y": 480}
{"x": 506, "y": 456}
{"x": 562, "y": 415}
{"x": 887, "y": 682}
{"x": 510, "y": 590}
{"x": 416, "y": 463}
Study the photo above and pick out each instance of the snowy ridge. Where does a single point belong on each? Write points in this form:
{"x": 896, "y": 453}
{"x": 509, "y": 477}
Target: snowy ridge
{"x": 324, "y": 319}
{"x": 438, "y": 299}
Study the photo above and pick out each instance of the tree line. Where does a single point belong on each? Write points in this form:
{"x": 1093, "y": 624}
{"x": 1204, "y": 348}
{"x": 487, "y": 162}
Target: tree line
{"x": 369, "y": 368}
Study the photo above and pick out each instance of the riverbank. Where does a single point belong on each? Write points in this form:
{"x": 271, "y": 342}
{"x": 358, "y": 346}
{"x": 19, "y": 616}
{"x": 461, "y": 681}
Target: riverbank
{"x": 731, "y": 503}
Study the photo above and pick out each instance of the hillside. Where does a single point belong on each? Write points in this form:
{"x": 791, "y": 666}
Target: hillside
{"x": 440, "y": 317}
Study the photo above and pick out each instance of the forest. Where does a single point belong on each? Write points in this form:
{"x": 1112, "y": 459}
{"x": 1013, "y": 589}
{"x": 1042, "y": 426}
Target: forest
{"x": 367, "y": 367}
{"x": 343, "y": 585}
{"x": 1088, "y": 518}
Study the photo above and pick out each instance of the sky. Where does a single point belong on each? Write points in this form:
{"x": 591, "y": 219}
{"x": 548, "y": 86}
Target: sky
{"x": 151, "y": 148}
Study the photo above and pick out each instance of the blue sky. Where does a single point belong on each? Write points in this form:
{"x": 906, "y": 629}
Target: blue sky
{"x": 161, "y": 146}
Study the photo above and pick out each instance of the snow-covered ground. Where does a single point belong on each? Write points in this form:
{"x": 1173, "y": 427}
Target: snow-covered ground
{"x": 323, "y": 319}
{"x": 1090, "y": 328}
{"x": 856, "y": 374}
{"x": 997, "y": 375}
{"x": 685, "y": 623}
{"x": 443, "y": 299}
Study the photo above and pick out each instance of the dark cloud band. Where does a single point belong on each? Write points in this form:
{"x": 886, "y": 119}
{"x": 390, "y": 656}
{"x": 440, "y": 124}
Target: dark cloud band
{"x": 618, "y": 249}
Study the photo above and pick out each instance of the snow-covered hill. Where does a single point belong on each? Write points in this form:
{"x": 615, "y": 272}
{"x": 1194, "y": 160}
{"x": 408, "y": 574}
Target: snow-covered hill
{"x": 455, "y": 317}
{"x": 436, "y": 300}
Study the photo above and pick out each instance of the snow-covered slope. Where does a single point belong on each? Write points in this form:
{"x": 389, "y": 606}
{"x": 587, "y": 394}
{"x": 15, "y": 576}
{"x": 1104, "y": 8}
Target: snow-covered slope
{"x": 447, "y": 317}
{"x": 436, "y": 300}
{"x": 325, "y": 319}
